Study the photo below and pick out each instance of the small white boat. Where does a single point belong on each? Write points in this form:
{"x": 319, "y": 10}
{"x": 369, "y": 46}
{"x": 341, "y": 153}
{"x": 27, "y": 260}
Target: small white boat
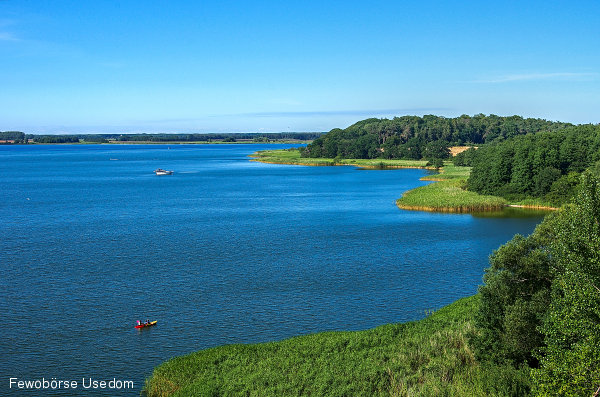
{"x": 160, "y": 171}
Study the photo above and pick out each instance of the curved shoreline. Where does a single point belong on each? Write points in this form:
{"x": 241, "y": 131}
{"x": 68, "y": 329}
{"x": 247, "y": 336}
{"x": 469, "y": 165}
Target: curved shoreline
{"x": 468, "y": 209}
{"x": 445, "y": 195}
{"x": 533, "y": 207}
{"x": 235, "y": 368}
{"x": 333, "y": 164}
{"x": 457, "y": 210}
{"x": 484, "y": 205}
{"x": 368, "y": 362}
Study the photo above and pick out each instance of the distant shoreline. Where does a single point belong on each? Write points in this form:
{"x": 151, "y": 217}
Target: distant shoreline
{"x": 203, "y": 142}
{"x": 288, "y": 142}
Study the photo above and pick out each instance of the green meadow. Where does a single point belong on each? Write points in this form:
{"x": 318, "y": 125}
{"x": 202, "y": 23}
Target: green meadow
{"x": 429, "y": 357}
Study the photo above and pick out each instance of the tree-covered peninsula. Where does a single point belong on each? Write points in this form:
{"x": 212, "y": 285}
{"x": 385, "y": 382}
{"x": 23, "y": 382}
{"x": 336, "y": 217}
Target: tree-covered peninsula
{"x": 413, "y": 137}
{"x": 519, "y": 161}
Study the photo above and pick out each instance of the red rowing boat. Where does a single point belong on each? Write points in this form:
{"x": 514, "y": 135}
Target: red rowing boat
{"x": 144, "y": 325}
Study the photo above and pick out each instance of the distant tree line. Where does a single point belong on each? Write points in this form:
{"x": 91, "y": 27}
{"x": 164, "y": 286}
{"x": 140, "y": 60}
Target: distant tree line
{"x": 20, "y": 137}
{"x": 413, "y": 137}
{"x": 13, "y": 136}
{"x": 304, "y": 136}
{"x": 55, "y": 138}
{"x": 545, "y": 165}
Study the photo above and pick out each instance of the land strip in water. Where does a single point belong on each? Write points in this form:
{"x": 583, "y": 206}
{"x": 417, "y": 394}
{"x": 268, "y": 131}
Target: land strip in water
{"x": 292, "y": 156}
{"x": 447, "y": 194}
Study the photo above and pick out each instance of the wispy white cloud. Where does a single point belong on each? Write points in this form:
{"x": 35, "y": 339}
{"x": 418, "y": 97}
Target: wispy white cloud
{"x": 559, "y": 76}
{"x": 366, "y": 112}
{"x": 6, "y": 36}
{"x": 5, "y": 27}
{"x": 113, "y": 64}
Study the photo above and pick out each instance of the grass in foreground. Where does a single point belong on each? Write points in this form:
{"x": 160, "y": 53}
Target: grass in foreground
{"x": 430, "y": 357}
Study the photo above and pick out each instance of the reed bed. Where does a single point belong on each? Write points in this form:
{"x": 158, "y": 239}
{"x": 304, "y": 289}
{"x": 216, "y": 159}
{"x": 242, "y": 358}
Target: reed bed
{"x": 449, "y": 194}
{"x": 422, "y": 358}
{"x": 446, "y": 195}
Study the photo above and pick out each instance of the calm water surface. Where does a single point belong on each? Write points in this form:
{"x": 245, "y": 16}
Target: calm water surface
{"x": 223, "y": 251}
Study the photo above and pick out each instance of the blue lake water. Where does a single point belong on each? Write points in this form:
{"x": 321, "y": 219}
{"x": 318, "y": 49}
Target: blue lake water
{"x": 223, "y": 251}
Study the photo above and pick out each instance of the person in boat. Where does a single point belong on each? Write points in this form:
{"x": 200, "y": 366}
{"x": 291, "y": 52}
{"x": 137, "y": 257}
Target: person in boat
{"x": 147, "y": 321}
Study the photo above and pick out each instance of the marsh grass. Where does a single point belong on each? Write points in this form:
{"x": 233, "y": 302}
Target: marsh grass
{"x": 430, "y": 357}
{"x": 534, "y": 203}
{"x": 448, "y": 194}
{"x": 292, "y": 156}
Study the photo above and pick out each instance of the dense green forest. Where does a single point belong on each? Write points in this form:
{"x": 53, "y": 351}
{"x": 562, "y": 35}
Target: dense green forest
{"x": 413, "y": 137}
{"x": 545, "y": 165}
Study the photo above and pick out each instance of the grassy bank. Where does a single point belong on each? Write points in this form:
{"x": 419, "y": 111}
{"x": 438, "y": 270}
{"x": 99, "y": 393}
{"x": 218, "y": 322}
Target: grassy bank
{"x": 448, "y": 194}
{"x": 293, "y": 157}
{"x": 534, "y": 203}
{"x": 422, "y": 358}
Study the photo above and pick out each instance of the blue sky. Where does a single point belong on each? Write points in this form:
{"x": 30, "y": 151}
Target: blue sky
{"x": 237, "y": 66}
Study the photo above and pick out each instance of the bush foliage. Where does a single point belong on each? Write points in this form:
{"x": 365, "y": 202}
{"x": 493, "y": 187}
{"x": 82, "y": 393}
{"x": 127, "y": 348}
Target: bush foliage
{"x": 544, "y": 165}
{"x": 540, "y": 304}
